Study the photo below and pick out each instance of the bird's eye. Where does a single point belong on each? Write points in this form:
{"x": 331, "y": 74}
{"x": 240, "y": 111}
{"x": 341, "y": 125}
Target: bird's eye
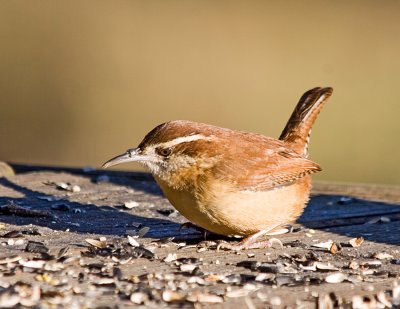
{"x": 165, "y": 152}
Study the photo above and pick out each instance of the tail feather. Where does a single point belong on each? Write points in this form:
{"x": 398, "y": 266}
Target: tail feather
{"x": 298, "y": 128}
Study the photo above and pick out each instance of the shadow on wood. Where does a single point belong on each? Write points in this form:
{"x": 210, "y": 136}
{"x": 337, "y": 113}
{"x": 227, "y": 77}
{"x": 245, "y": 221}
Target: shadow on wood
{"x": 353, "y": 217}
{"x": 98, "y": 207}
{"x": 80, "y": 217}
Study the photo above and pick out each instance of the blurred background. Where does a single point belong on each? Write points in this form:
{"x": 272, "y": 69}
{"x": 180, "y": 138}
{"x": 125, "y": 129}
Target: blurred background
{"x": 82, "y": 81}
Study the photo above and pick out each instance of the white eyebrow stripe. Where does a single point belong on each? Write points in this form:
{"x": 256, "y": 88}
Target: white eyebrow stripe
{"x": 184, "y": 139}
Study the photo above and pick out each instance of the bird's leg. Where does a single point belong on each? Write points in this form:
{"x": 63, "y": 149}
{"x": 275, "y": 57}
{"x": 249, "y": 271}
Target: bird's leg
{"x": 191, "y": 225}
{"x": 250, "y": 242}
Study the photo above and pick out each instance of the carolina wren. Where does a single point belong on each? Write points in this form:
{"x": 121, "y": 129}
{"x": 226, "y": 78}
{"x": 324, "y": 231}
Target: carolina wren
{"x": 232, "y": 182}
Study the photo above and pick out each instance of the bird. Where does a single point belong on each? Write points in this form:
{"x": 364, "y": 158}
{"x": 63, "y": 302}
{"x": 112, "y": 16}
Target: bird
{"x": 229, "y": 182}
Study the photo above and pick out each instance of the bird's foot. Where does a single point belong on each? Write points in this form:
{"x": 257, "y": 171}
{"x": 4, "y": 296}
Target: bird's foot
{"x": 245, "y": 245}
{"x": 250, "y": 243}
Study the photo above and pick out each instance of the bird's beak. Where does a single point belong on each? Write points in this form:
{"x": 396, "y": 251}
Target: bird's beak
{"x": 133, "y": 154}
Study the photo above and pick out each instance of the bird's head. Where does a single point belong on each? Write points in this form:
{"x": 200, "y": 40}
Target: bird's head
{"x": 175, "y": 152}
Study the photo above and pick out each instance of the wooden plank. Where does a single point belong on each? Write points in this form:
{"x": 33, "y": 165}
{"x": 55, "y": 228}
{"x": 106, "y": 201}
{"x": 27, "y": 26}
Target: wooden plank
{"x": 322, "y": 211}
{"x": 335, "y": 210}
{"x": 96, "y": 210}
{"x": 382, "y": 233}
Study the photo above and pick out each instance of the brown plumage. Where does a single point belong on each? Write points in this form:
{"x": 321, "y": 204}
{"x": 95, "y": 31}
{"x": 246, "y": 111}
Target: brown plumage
{"x": 298, "y": 128}
{"x": 232, "y": 182}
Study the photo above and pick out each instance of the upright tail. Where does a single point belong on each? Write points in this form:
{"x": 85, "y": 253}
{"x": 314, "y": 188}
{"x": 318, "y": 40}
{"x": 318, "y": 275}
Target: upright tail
{"x": 298, "y": 128}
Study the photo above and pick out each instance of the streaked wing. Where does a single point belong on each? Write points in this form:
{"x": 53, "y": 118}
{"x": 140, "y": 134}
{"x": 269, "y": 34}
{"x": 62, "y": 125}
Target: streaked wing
{"x": 280, "y": 166}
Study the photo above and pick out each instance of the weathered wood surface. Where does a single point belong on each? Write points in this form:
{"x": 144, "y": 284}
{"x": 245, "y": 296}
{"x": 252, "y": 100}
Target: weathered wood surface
{"x": 97, "y": 210}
